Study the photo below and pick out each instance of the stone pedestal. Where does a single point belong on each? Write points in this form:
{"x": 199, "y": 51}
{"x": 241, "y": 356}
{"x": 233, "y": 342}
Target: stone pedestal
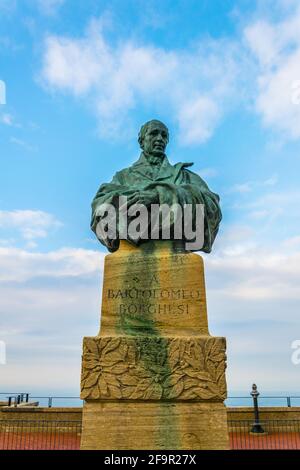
{"x": 153, "y": 378}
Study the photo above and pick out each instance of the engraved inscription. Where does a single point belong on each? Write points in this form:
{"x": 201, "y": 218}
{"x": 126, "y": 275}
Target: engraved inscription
{"x": 135, "y": 301}
{"x": 158, "y": 294}
{"x": 141, "y": 309}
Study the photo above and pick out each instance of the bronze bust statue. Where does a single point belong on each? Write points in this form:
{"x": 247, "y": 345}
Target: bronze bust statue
{"x": 152, "y": 180}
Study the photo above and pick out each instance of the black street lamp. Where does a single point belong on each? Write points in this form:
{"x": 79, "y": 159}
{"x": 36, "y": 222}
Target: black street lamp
{"x": 256, "y": 428}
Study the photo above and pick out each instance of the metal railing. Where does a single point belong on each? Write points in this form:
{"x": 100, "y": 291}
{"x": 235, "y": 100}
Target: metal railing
{"x": 281, "y": 434}
{"x": 58, "y": 401}
{"x": 265, "y": 400}
{"x": 65, "y": 435}
{"x": 51, "y": 435}
{"x": 39, "y": 435}
{"x": 13, "y": 399}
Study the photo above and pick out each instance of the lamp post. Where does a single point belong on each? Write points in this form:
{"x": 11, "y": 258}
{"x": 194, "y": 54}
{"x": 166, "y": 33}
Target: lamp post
{"x": 256, "y": 428}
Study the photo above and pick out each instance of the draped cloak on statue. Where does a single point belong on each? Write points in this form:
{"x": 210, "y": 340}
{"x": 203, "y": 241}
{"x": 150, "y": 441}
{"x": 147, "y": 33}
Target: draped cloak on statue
{"x": 170, "y": 184}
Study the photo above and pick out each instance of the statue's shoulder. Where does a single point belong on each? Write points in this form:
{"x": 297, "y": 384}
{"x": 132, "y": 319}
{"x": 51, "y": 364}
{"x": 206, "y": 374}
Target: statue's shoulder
{"x": 128, "y": 169}
{"x": 121, "y": 175}
{"x": 125, "y": 173}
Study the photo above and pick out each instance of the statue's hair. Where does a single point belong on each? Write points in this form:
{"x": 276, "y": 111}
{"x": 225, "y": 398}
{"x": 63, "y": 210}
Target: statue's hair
{"x": 145, "y": 126}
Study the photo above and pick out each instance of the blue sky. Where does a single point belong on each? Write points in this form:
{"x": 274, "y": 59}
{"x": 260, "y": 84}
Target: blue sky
{"x": 81, "y": 77}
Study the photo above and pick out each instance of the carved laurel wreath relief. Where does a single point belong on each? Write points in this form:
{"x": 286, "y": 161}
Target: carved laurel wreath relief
{"x": 150, "y": 368}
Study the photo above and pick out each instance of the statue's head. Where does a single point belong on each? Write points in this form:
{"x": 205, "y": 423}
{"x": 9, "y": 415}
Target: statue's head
{"x": 154, "y": 137}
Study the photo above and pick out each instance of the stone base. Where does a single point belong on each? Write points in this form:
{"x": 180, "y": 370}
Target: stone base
{"x": 154, "y": 378}
{"x": 154, "y": 426}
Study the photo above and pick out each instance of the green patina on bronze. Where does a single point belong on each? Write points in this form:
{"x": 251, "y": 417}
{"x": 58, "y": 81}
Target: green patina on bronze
{"x": 153, "y": 180}
{"x": 131, "y": 324}
{"x": 150, "y": 348}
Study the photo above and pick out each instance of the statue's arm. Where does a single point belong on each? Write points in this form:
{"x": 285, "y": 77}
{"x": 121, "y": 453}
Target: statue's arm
{"x": 109, "y": 195}
{"x": 106, "y": 194}
{"x": 191, "y": 189}
{"x": 212, "y": 211}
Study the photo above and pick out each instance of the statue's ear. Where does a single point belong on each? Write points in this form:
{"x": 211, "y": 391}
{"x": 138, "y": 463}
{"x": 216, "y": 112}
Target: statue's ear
{"x": 140, "y": 141}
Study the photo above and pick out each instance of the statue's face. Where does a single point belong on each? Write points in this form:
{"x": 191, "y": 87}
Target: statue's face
{"x": 155, "y": 140}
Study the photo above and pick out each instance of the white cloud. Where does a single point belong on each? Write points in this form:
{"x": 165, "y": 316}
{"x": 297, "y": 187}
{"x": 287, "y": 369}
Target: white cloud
{"x": 207, "y": 172}
{"x": 49, "y": 7}
{"x": 194, "y": 85}
{"x": 197, "y": 86}
{"x": 276, "y": 47}
{"x": 8, "y": 43}
{"x": 285, "y": 200}
{"x": 8, "y": 6}
{"x": 7, "y": 119}
{"x": 49, "y": 301}
{"x": 21, "y": 143}
{"x": 75, "y": 65}
{"x": 29, "y": 224}
{"x": 260, "y": 255}
{"x": 243, "y": 187}
{"x": 22, "y": 265}
{"x": 255, "y": 273}
{"x": 292, "y": 242}
{"x": 271, "y": 218}
{"x": 198, "y": 119}
{"x": 249, "y": 186}
{"x": 253, "y": 300}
